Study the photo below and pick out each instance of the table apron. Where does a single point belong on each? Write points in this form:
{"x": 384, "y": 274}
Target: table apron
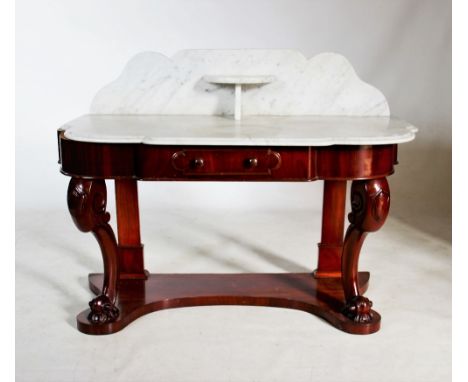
{"x": 224, "y": 163}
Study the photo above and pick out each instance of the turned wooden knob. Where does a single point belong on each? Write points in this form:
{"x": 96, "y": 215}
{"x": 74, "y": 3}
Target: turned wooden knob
{"x": 197, "y": 163}
{"x": 251, "y": 162}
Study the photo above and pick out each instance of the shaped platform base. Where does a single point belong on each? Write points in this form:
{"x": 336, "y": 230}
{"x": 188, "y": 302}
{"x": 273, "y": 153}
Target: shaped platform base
{"x": 322, "y": 297}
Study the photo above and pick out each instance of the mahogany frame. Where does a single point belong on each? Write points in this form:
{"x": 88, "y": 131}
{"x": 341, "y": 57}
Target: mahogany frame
{"x": 125, "y": 291}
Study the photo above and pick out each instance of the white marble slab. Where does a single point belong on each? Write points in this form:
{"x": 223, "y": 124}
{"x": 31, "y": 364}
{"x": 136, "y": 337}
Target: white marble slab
{"x": 288, "y": 100}
{"x": 238, "y": 79}
{"x": 251, "y": 131}
{"x": 325, "y": 84}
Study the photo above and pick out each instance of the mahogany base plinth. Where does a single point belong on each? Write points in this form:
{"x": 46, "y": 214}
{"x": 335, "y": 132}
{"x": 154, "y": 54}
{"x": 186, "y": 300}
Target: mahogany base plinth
{"x": 322, "y": 297}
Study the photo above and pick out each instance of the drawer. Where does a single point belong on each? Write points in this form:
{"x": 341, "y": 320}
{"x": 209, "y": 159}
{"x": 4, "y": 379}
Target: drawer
{"x": 230, "y": 163}
{"x": 217, "y": 162}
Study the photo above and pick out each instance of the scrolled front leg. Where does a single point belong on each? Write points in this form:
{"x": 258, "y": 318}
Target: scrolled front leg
{"x": 87, "y": 200}
{"x": 370, "y": 203}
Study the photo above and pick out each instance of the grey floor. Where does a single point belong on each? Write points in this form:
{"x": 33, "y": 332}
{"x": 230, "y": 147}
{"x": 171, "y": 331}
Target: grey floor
{"x": 410, "y": 286}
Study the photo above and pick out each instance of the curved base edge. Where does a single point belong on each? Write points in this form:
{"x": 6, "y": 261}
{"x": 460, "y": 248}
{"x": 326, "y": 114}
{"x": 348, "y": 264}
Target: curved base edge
{"x": 301, "y": 291}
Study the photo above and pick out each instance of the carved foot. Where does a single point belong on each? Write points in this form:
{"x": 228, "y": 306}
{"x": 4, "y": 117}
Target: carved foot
{"x": 102, "y": 310}
{"x": 359, "y": 310}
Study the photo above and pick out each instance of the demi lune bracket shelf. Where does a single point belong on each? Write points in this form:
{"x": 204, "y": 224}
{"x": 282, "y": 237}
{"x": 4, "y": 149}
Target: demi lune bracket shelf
{"x": 238, "y": 81}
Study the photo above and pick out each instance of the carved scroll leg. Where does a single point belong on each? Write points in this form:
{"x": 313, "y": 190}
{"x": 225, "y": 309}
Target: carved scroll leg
{"x": 370, "y": 202}
{"x": 87, "y": 201}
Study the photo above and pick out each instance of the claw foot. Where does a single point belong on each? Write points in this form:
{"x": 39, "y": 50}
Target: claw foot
{"x": 102, "y": 310}
{"x": 359, "y": 310}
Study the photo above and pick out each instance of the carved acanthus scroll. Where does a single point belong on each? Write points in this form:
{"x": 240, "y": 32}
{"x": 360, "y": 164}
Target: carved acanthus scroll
{"x": 87, "y": 200}
{"x": 370, "y": 203}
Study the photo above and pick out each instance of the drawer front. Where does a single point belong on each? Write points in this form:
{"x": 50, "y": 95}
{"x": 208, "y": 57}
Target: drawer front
{"x": 227, "y": 163}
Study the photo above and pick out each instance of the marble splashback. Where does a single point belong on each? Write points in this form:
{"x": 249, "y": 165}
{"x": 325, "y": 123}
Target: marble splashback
{"x": 325, "y": 84}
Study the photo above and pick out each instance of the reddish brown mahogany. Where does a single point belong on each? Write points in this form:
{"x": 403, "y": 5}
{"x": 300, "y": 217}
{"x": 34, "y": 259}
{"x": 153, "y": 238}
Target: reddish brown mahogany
{"x": 128, "y": 230}
{"x": 333, "y": 292}
{"x": 87, "y": 200}
{"x": 331, "y": 244}
{"x": 224, "y": 163}
{"x": 322, "y": 297}
{"x": 370, "y": 202}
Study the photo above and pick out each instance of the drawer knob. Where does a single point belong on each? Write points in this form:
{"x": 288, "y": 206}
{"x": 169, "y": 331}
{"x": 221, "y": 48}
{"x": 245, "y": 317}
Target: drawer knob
{"x": 197, "y": 163}
{"x": 251, "y": 162}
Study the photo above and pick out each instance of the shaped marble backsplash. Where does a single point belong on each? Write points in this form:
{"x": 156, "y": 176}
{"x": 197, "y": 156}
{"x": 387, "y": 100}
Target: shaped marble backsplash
{"x": 325, "y": 84}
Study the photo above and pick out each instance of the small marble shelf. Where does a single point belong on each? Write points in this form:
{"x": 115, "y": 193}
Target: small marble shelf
{"x": 251, "y": 131}
{"x": 238, "y": 81}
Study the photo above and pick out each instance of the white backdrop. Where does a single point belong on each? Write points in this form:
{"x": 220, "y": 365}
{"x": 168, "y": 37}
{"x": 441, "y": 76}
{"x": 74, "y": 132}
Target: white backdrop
{"x": 67, "y": 50}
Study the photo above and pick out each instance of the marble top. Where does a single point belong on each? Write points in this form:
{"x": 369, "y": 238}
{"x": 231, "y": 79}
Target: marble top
{"x": 250, "y": 131}
{"x": 287, "y": 100}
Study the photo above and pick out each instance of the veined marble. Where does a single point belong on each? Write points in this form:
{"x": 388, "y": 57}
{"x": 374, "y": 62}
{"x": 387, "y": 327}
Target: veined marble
{"x": 251, "y": 131}
{"x": 288, "y": 100}
{"x": 325, "y": 84}
{"x": 238, "y": 79}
